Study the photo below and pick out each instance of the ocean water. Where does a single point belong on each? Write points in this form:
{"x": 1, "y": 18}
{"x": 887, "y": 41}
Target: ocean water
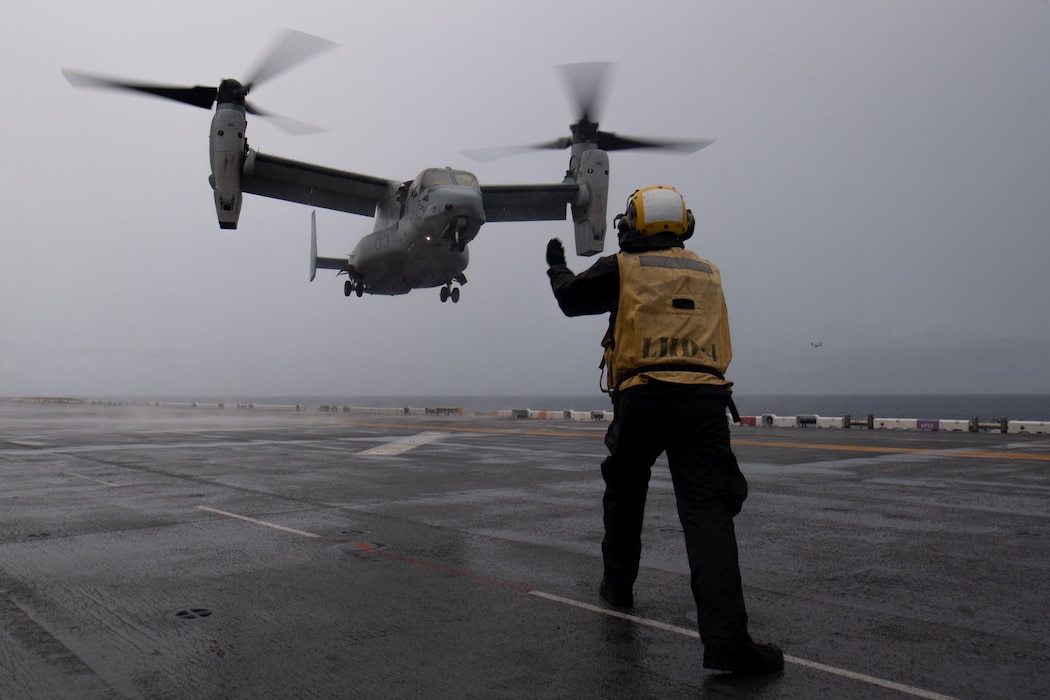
{"x": 1028, "y": 407}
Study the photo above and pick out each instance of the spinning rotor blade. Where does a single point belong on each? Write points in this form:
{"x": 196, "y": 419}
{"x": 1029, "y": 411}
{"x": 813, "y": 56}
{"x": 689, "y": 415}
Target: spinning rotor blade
{"x": 586, "y": 85}
{"x": 484, "y": 155}
{"x": 285, "y": 124}
{"x": 611, "y": 142}
{"x": 198, "y": 96}
{"x": 289, "y": 51}
{"x": 606, "y": 141}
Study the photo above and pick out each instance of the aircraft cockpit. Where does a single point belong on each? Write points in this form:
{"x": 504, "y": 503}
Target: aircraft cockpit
{"x": 444, "y": 176}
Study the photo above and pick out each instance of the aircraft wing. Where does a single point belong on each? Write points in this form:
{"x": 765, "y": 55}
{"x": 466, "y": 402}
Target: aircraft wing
{"x": 528, "y": 202}
{"x": 328, "y": 188}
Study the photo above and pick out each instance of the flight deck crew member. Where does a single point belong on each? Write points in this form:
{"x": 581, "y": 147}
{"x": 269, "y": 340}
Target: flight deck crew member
{"x": 666, "y": 353}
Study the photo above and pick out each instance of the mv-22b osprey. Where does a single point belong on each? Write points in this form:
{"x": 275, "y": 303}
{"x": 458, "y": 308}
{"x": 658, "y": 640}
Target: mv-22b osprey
{"x": 422, "y": 226}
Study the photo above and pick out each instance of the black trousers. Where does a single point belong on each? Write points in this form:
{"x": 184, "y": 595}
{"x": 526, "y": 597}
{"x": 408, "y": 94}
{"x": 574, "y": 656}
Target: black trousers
{"x": 688, "y": 424}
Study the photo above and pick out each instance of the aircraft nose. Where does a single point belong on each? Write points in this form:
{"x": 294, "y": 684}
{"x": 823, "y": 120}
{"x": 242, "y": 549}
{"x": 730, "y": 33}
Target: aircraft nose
{"x": 460, "y": 212}
{"x": 464, "y": 201}
{"x": 456, "y": 202}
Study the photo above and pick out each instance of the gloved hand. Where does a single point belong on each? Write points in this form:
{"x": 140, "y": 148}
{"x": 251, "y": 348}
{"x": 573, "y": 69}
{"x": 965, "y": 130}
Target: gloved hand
{"x": 555, "y": 253}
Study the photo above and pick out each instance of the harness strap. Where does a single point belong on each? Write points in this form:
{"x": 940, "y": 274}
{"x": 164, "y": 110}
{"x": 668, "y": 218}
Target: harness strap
{"x": 670, "y": 367}
{"x": 730, "y": 404}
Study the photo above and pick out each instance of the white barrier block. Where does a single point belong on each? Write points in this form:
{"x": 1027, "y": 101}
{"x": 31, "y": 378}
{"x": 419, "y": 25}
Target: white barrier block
{"x": 831, "y": 422}
{"x": 274, "y": 407}
{"x": 1028, "y": 426}
{"x": 771, "y": 420}
{"x": 445, "y": 411}
{"x": 384, "y": 411}
{"x": 896, "y": 424}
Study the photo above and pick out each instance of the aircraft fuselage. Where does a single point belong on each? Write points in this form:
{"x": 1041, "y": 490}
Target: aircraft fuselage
{"x": 398, "y": 260}
{"x": 420, "y": 235}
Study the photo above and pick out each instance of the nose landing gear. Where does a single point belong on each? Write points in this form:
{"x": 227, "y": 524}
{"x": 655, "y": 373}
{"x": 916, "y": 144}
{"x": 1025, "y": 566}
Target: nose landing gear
{"x": 455, "y": 240}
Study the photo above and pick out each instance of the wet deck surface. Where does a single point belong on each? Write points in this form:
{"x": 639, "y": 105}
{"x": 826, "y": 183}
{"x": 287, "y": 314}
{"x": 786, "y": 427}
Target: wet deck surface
{"x": 156, "y": 553}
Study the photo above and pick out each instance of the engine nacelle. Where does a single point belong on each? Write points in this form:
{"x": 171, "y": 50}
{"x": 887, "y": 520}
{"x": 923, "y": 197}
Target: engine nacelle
{"x": 227, "y": 158}
{"x": 589, "y": 211}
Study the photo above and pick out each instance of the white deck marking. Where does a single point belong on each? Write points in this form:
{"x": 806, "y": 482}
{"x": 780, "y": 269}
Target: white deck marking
{"x": 654, "y": 624}
{"x": 92, "y": 478}
{"x": 404, "y": 444}
{"x": 684, "y": 631}
{"x": 253, "y": 521}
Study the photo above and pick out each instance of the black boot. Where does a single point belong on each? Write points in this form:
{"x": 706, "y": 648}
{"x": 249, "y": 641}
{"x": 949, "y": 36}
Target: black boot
{"x": 620, "y": 597}
{"x": 742, "y": 655}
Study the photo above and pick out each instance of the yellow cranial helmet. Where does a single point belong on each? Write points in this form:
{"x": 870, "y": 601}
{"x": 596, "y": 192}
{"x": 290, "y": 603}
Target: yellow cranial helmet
{"x": 656, "y": 209}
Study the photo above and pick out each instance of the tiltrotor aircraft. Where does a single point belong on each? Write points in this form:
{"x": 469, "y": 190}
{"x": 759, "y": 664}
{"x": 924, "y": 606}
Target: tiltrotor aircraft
{"x": 422, "y": 226}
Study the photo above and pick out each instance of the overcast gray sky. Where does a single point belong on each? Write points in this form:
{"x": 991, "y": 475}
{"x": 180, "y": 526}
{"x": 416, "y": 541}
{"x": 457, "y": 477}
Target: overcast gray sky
{"x": 879, "y": 184}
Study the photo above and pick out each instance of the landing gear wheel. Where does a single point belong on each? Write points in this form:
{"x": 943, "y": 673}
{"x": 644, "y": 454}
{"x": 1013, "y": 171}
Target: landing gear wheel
{"x": 455, "y": 295}
{"x": 348, "y": 288}
{"x": 456, "y": 243}
{"x": 359, "y": 289}
{"x": 445, "y": 293}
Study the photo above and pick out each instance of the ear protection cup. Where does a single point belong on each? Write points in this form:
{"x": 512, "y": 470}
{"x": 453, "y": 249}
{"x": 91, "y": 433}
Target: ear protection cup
{"x": 626, "y": 221}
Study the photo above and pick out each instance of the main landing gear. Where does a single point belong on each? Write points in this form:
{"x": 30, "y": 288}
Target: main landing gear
{"x": 353, "y": 287}
{"x": 450, "y": 292}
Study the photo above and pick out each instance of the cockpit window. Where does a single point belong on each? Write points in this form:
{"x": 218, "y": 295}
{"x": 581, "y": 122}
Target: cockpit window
{"x": 445, "y": 176}
{"x": 437, "y": 177}
{"x": 466, "y": 179}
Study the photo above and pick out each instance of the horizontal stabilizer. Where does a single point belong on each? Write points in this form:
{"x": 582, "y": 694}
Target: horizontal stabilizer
{"x": 340, "y": 264}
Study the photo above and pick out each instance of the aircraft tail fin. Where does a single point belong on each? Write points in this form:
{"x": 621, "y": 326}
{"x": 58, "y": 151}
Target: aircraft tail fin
{"x": 341, "y": 264}
{"x": 313, "y": 245}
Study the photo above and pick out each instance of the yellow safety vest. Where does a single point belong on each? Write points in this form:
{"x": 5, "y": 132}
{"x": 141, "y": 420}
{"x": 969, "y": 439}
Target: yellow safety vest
{"x": 671, "y": 324}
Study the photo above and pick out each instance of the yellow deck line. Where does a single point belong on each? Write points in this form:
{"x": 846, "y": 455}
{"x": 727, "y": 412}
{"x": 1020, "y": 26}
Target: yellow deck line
{"x": 983, "y": 454}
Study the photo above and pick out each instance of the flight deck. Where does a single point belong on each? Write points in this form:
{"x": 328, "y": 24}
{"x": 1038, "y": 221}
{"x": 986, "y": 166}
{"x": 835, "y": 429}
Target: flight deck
{"x": 196, "y": 552}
